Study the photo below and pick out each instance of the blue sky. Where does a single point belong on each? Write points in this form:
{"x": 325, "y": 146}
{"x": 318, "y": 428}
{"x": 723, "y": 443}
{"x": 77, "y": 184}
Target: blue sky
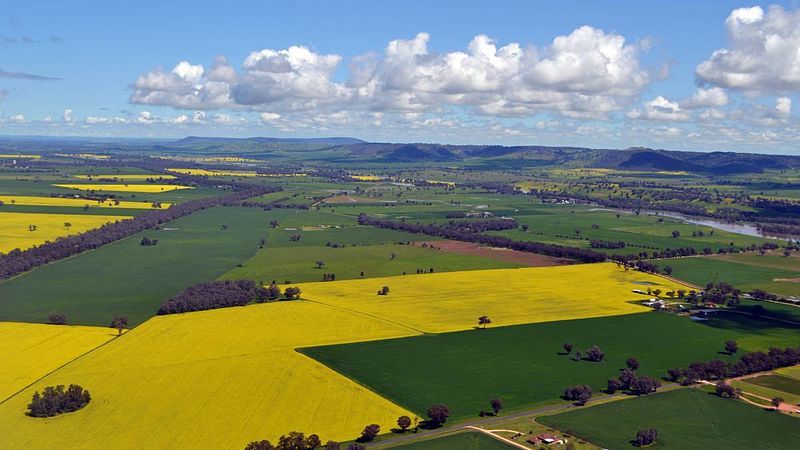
{"x": 600, "y": 74}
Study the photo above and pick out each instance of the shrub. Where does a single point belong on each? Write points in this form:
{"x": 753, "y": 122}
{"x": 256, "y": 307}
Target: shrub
{"x": 645, "y": 437}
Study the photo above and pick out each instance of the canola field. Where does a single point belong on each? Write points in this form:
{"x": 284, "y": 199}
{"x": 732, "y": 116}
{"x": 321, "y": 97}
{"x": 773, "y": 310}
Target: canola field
{"x": 148, "y": 188}
{"x": 453, "y": 301}
{"x": 128, "y": 177}
{"x": 29, "y": 351}
{"x": 76, "y": 202}
{"x": 15, "y": 228}
{"x": 215, "y": 173}
{"x": 213, "y": 379}
{"x": 19, "y": 156}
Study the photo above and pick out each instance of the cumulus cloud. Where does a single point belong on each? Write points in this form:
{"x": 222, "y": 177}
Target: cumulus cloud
{"x": 706, "y": 98}
{"x": 763, "y": 54}
{"x": 18, "y": 118}
{"x": 586, "y": 73}
{"x": 659, "y": 109}
{"x": 67, "y": 115}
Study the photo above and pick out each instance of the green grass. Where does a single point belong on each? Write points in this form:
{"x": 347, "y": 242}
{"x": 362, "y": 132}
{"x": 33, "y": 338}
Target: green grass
{"x": 125, "y": 278}
{"x": 297, "y": 263}
{"x": 460, "y": 441}
{"x": 685, "y": 418}
{"x": 522, "y": 365}
{"x": 777, "y": 382}
{"x": 747, "y": 272}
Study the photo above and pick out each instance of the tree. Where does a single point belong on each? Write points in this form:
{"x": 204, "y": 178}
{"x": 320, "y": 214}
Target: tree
{"x": 579, "y": 394}
{"x": 260, "y": 445}
{"x": 313, "y": 441}
{"x": 384, "y": 290}
{"x": 497, "y": 405}
{"x": 392, "y": 256}
{"x": 370, "y": 433}
{"x": 613, "y": 385}
{"x": 292, "y": 293}
{"x": 437, "y": 415}
{"x": 403, "y": 422}
{"x": 724, "y": 389}
{"x": 57, "y": 318}
{"x": 594, "y": 354}
{"x": 776, "y": 402}
{"x": 320, "y": 264}
{"x": 120, "y": 323}
{"x": 67, "y": 225}
{"x": 273, "y": 224}
{"x": 567, "y": 348}
{"x": 483, "y": 321}
{"x": 668, "y": 270}
{"x": 731, "y": 347}
{"x": 645, "y": 385}
{"x": 632, "y": 363}
{"x": 332, "y": 445}
{"x": 645, "y": 437}
{"x": 656, "y": 292}
{"x": 676, "y": 233}
{"x": 626, "y": 378}
{"x": 674, "y": 374}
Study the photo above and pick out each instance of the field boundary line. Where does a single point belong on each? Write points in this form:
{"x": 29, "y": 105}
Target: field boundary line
{"x": 344, "y": 308}
{"x": 60, "y": 367}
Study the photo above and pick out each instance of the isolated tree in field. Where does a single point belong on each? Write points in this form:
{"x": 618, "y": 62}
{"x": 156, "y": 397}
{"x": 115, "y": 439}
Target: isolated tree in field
{"x": 578, "y": 355}
{"x": 392, "y": 256}
{"x": 437, "y": 415}
{"x": 668, "y": 270}
{"x": 579, "y": 394}
{"x": 67, "y": 225}
{"x": 273, "y": 224}
{"x": 224, "y": 227}
{"x": 676, "y": 233}
{"x": 57, "y": 318}
{"x": 403, "y": 422}
{"x": 320, "y": 264}
{"x": 497, "y": 405}
{"x": 32, "y": 227}
{"x": 645, "y": 437}
{"x": 567, "y": 348}
{"x": 292, "y": 293}
{"x": 483, "y": 321}
{"x": 260, "y": 445}
{"x": 731, "y": 347}
{"x": 370, "y": 433}
{"x": 594, "y": 354}
{"x": 120, "y": 323}
{"x": 776, "y": 402}
{"x": 384, "y": 290}
{"x": 525, "y": 227}
{"x": 632, "y": 363}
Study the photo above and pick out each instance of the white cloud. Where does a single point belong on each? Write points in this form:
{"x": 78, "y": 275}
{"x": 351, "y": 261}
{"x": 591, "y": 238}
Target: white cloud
{"x": 267, "y": 117}
{"x": 783, "y": 107}
{"x": 67, "y": 115}
{"x": 18, "y": 118}
{"x": 763, "y": 53}
{"x": 660, "y": 109}
{"x": 704, "y": 98}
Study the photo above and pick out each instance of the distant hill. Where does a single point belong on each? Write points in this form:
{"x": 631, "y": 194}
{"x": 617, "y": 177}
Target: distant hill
{"x": 199, "y": 140}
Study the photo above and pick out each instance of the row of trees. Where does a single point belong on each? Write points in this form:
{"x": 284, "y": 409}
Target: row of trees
{"x": 467, "y": 235}
{"x": 18, "y": 261}
{"x": 751, "y": 362}
{"x": 223, "y": 294}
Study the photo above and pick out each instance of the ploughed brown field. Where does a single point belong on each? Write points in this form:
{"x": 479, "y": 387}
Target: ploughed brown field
{"x": 502, "y": 254}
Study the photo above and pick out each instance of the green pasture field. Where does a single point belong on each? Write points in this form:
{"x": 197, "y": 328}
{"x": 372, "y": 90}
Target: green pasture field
{"x": 684, "y": 418}
{"x": 125, "y": 278}
{"x": 777, "y": 382}
{"x": 297, "y": 263}
{"x": 523, "y": 364}
{"x": 745, "y": 271}
{"x": 460, "y": 441}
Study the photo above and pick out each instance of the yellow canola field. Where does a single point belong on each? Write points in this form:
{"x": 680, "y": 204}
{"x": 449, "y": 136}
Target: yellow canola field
{"x": 453, "y": 301}
{"x": 15, "y": 231}
{"x": 76, "y": 202}
{"x": 128, "y": 177}
{"x": 19, "y": 156}
{"x": 212, "y": 380}
{"x": 149, "y": 188}
{"x": 29, "y": 351}
{"x": 215, "y": 173}
{"x": 366, "y": 177}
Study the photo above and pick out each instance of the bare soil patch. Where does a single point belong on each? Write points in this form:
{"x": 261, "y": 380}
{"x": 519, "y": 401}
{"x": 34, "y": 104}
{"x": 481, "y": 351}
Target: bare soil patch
{"x": 502, "y": 254}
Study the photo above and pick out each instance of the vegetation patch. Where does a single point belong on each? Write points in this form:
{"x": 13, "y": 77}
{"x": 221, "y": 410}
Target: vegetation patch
{"x": 149, "y": 188}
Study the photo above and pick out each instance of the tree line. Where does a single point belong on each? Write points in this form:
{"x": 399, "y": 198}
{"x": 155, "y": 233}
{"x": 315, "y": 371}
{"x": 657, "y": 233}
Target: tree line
{"x": 18, "y": 261}
{"x": 224, "y": 294}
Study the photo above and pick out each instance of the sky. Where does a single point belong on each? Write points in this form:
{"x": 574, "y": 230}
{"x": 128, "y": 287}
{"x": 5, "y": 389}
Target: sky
{"x": 687, "y": 75}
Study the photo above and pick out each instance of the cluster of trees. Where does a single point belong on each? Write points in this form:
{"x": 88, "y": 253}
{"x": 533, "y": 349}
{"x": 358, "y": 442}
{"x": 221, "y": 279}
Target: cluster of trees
{"x": 294, "y": 440}
{"x": 751, "y": 362}
{"x": 216, "y": 294}
{"x": 579, "y": 394}
{"x": 18, "y": 261}
{"x": 384, "y": 290}
{"x": 596, "y": 243}
{"x": 147, "y": 242}
{"x": 633, "y": 383}
{"x": 467, "y": 235}
{"x": 593, "y": 354}
{"x": 329, "y": 276}
{"x": 55, "y": 400}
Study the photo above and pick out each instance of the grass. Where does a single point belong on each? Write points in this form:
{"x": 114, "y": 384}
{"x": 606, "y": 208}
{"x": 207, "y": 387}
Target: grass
{"x": 745, "y": 271}
{"x": 30, "y": 351}
{"x": 522, "y": 365}
{"x": 221, "y": 378}
{"x": 15, "y": 229}
{"x": 765, "y": 392}
{"x": 125, "y": 278}
{"x": 460, "y": 441}
{"x": 777, "y": 382}
{"x": 75, "y": 202}
{"x": 148, "y": 188}
{"x": 685, "y": 418}
{"x": 453, "y": 301}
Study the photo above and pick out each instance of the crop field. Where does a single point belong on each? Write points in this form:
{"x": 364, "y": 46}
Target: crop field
{"x": 523, "y": 364}
{"x": 685, "y": 418}
{"x": 125, "y": 278}
{"x": 771, "y": 273}
{"x": 30, "y": 351}
{"x": 76, "y": 202}
{"x": 148, "y": 188}
{"x": 15, "y": 228}
{"x": 215, "y": 173}
{"x": 460, "y": 441}
{"x": 221, "y": 378}
{"x": 441, "y": 302}
{"x": 777, "y": 382}
{"x": 127, "y": 177}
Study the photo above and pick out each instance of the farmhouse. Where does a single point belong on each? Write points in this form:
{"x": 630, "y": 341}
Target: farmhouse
{"x": 546, "y": 439}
